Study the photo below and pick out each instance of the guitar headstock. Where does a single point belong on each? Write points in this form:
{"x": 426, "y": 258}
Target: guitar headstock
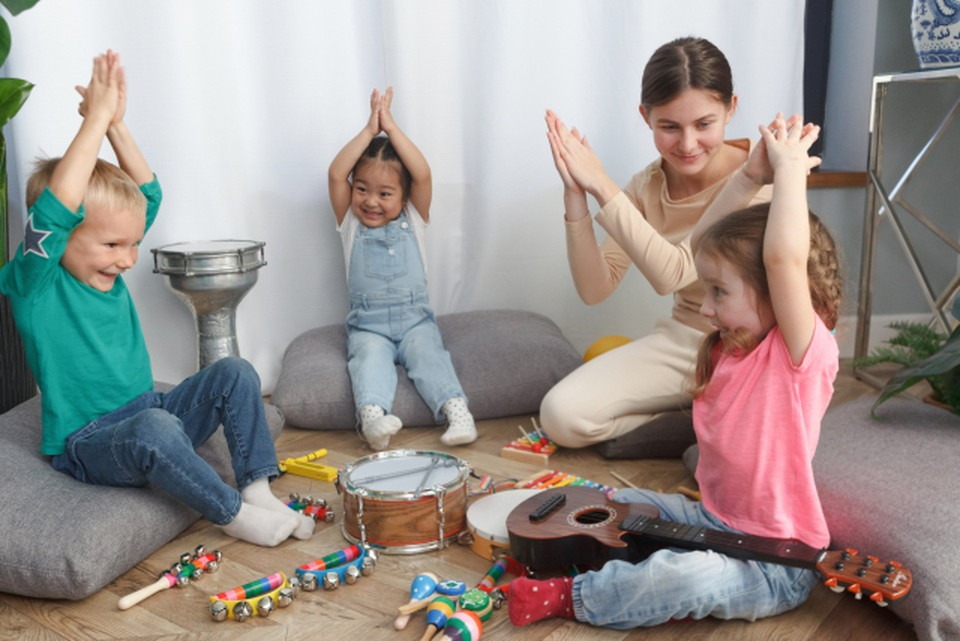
{"x": 848, "y": 571}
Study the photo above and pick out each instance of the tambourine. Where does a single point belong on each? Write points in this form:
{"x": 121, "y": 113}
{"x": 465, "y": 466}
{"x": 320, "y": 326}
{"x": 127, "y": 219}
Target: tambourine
{"x": 343, "y": 566}
{"x": 260, "y": 596}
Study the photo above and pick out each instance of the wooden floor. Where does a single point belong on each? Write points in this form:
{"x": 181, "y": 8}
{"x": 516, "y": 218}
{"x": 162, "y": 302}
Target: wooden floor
{"x": 365, "y": 610}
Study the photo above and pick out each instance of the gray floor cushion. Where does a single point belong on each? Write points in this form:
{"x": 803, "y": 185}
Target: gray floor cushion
{"x": 506, "y": 360}
{"x": 890, "y": 487}
{"x": 62, "y": 539}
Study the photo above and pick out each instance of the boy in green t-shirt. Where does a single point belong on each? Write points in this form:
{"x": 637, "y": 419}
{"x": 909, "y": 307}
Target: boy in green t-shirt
{"x": 102, "y": 422}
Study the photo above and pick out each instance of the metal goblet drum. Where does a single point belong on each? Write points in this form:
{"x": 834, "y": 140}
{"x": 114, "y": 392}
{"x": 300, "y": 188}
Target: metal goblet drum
{"x": 211, "y": 278}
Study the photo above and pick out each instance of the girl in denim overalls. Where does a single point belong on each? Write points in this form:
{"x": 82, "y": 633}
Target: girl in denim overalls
{"x": 385, "y": 183}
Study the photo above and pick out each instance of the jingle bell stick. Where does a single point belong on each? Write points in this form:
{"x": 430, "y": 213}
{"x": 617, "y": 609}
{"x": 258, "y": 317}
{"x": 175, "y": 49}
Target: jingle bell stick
{"x": 179, "y": 574}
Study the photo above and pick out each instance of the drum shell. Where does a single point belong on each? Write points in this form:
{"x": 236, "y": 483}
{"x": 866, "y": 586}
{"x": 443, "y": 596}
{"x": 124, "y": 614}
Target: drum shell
{"x": 399, "y": 521}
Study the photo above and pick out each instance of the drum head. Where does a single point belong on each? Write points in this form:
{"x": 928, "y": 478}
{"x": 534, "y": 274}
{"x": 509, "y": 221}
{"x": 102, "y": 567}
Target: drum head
{"x": 487, "y": 516}
{"x": 402, "y": 473}
{"x": 209, "y": 257}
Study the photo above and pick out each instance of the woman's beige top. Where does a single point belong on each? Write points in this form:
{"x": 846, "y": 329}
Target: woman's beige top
{"x": 647, "y": 228}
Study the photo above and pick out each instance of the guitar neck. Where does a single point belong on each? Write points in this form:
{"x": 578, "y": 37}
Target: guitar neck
{"x": 742, "y": 546}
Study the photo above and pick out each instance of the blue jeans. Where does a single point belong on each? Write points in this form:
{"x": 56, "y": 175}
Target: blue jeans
{"x": 398, "y": 328}
{"x": 675, "y": 584}
{"x": 153, "y": 439}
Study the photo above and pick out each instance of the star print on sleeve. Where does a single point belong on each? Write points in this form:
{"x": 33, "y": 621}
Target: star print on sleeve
{"x": 33, "y": 240}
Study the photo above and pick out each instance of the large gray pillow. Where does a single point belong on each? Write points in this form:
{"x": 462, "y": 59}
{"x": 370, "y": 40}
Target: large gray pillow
{"x": 890, "y": 487}
{"x": 63, "y": 539}
{"x": 506, "y": 360}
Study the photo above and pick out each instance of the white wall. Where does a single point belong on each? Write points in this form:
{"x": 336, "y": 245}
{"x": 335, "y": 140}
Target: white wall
{"x": 241, "y": 105}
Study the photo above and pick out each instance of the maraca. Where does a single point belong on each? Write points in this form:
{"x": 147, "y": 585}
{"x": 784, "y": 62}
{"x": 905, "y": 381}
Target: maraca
{"x": 421, "y": 589}
{"x": 462, "y": 626}
{"x": 439, "y": 610}
{"x": 477, "y": 601}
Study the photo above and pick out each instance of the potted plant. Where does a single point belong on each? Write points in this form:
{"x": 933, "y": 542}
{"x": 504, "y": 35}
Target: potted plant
{"x": 16, "y": 382}
{"x": 926, "y": 355}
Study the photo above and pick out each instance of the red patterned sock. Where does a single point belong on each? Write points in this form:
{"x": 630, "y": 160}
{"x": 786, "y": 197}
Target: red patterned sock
{"x": 531, "y": 601}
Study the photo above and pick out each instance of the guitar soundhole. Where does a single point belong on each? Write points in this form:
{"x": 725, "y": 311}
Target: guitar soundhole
{"x": 592, "y": 516}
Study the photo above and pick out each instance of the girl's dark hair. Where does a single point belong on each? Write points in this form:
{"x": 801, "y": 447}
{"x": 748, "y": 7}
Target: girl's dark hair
{"x": 380, "y": 150}
{"x": 686, "y": 63}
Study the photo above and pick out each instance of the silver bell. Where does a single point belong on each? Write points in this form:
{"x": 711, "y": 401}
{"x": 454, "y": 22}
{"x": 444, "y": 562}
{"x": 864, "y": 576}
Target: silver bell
{"x": 331, "y": 581}
{"x": 309, "y": 582}
{"x": 199, "y": 551}
{"x": 213, "y": 566}
{"x": 242, "y": 610}
{"x": 372, "y": 554}
{"x": 295, "y": 585}
{"x": 265, "y": 606}
{"x": 218, "y": 610}
{"x": 366, "y": 566}
{"x": 351, "y": 575}
{"x": 329, "y": 516}
{"x": 285, "y": 597}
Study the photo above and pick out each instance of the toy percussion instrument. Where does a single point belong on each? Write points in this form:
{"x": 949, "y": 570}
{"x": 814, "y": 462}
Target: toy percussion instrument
{"x": 260, "y": 596}
{"x": 404, "y": 501}
{"x": 211, "y": 278}
{"x": 343, "y": 566}
{"x": 188, "y": 568}
{"x": 487, "y": 522}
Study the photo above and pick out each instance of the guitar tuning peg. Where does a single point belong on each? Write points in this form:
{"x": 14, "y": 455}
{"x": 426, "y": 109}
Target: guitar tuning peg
{"x": 833, "y": 584}
{"x": 877, "y": 598}
{"x": 855, "y": 589}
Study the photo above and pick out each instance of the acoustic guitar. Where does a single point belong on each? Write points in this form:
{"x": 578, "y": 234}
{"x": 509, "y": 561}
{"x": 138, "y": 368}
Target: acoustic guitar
{"x": 579, "y": 526}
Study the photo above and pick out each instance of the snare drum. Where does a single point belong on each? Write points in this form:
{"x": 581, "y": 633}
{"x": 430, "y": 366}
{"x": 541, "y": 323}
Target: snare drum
{"x": 487, "y": 522}
{"x": 404, "y": 501}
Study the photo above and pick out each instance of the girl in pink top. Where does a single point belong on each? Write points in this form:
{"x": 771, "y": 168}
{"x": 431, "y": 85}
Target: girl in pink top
{"x": 764, "y": 380}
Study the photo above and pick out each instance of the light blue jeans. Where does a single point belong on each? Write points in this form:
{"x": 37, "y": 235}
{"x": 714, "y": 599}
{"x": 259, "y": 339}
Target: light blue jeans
{"x": 398, "y": 328}
{"x": 153, "y": 439}
{"x": 676, "y": 584}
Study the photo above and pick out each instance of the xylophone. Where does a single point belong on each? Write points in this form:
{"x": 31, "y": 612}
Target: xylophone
{"x": 549, "y": 479}
{"x": 531, "y": 447}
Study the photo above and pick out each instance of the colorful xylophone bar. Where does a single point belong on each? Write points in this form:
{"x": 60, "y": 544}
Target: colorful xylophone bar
{"x": 547, "y": 479}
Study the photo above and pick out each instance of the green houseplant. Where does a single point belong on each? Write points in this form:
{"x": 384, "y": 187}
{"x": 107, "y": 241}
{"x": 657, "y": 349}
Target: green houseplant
{"x": 16, "y": 381}
{"x": 926, "y": 355}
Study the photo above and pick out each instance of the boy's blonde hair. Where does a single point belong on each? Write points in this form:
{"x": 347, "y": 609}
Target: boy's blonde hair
{"x": 109, "y": 185}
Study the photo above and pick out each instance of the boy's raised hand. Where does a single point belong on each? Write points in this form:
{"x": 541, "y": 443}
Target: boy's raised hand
{"x": 105, "y": 95}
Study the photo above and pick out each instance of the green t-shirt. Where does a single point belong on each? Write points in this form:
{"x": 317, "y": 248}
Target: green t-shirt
{"x": 85, "y": 346}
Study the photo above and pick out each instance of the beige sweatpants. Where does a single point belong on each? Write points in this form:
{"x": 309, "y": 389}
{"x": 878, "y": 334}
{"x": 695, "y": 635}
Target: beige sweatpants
{"x": 624, "y": 388}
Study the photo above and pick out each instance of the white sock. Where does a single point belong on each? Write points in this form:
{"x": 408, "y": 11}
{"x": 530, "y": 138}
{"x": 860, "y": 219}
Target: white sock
{"x": 378, "y": 427}
{"x": 460, "y": 426}
{"x": 261, "y": 526}
{"x": 259, "y": 494}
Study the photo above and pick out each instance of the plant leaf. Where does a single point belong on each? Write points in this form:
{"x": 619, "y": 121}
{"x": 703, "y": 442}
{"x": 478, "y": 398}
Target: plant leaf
{"x": 943, "y": 361}
{"x": 18, "y": 6}
{"x": 13, "y": 93}
{"x": 4, "y": 40}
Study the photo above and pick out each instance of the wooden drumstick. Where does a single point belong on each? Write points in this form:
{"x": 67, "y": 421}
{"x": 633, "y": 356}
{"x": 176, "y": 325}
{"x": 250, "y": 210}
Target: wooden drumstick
{"x": 166, "y": 581}
{"x": 421, "y": 590}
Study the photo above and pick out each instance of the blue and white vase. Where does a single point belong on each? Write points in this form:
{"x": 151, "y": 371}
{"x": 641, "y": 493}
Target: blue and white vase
{"x": 936, "y": 32}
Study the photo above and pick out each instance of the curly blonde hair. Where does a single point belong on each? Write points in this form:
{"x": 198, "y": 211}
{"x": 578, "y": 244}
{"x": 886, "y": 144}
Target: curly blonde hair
{"x": 738, "y": 240}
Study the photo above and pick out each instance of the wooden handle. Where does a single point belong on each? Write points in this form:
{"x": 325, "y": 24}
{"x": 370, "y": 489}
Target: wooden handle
{"x": 164, "y": 582}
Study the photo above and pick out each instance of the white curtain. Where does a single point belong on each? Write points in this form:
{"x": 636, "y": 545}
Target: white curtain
{"x": 240, "y": 105}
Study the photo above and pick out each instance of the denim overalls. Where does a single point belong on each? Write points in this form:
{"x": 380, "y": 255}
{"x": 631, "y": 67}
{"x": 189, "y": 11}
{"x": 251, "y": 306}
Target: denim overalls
{"x": 390, "y": 321}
